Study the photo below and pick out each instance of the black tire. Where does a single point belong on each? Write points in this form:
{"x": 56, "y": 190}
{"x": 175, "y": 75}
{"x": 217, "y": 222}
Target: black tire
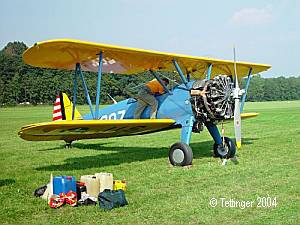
{"x": 68, "y": 144}
{"x": 229, "y": 149}
{"x": 180, "y": 154}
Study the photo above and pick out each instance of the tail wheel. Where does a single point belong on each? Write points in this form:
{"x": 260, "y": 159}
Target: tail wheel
{"x": 180, "y": 154}
{"x": 227, "y": 151}
{"x": 68, "y": 144}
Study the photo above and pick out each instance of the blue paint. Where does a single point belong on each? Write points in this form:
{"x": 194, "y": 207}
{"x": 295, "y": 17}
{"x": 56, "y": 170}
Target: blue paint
{"x": 174, "y": 106}
{"x": 214, "y": 132}
{"x": 99, "y": 84}
{"x": 208, "y": 75}
{"x": 160, "y": 81}
{"x": 180, "y": 73}
{"x": 74, "y": 93}
{"x": 86, "y": 91}
{"x": 246, "y": 89}
{"x": 186, "y": 130}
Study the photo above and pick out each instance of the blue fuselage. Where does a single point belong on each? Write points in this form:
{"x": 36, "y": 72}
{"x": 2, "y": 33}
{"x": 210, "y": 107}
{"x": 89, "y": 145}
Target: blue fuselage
{"x": 176, "y": 106}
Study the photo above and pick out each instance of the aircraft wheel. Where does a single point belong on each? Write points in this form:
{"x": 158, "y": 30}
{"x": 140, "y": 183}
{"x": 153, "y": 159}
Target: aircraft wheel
{"x": 68, "y": 144}
{"x": 180, "y": 154}
{"x": 228, "y": 151}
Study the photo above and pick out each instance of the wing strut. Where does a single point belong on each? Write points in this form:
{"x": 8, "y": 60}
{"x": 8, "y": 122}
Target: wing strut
{"x": 208, "y": 75}
{"x": 180, "y": 73}
{"x": 99, "y": 84}
{"x": 74, "y": 92}
{"x": 246, "y": 89}
{"x": 86, "y": 91}
{"x": 161, "y": 82}
{"x": 78, "y": 72}
{"x": 188, "y": 76}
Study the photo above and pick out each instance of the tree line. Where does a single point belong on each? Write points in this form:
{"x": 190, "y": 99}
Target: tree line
{"x": 21, "y": 83}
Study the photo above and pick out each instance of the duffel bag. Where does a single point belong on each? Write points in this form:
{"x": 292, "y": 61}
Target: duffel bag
{"x": 109, "y": 199}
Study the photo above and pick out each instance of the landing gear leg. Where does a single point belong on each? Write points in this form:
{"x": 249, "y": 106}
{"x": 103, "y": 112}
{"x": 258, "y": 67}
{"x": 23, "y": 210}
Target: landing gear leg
{"x": 224, "y": 147}
{"x": 68, "y": 144}
{"x": 227, "y": 151}
{"x": 180, "y": 153}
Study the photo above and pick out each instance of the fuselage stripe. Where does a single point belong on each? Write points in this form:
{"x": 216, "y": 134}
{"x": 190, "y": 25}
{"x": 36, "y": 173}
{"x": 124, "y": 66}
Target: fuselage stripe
{"x": 57, "y": 118}
{"x": 57, "y": 107}
{"x": 57, "y": 114}
{"x": 56, "y": 110}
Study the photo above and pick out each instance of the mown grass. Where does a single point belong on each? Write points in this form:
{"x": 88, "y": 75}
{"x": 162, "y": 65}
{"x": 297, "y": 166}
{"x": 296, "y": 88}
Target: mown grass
{"x": 158, "y": 193}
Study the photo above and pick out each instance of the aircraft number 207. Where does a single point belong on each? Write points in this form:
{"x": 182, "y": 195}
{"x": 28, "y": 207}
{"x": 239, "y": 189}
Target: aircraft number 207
{"x": 114, "y": 116}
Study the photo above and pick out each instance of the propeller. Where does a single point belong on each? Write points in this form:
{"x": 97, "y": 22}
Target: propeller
{"x": 237, "y": 112}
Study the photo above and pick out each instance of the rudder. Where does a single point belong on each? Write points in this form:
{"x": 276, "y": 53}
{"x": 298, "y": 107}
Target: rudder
{"x": 63, "y": 108}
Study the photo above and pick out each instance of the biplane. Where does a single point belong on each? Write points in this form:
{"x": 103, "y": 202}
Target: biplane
{"x": 207, "y": 93}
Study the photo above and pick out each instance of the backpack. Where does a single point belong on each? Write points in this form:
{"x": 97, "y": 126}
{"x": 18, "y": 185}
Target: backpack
{"x": 109, "y": 199}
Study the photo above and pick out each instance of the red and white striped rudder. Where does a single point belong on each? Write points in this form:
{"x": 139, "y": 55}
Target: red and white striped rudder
{"x": 57, "y": 114}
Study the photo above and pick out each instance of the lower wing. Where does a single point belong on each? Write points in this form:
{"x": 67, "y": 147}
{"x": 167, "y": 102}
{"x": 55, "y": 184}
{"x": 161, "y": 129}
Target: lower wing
{"x": 248, "y": 115}
{"x": 70, "y": 130}
{"x": 243, "y": 117}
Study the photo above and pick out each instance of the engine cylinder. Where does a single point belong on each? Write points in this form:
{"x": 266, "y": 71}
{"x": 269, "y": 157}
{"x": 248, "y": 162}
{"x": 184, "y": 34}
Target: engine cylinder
{"x": 212, "y": 100}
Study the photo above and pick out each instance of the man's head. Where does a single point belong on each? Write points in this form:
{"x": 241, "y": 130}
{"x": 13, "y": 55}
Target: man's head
{"x": 166, "y": 81}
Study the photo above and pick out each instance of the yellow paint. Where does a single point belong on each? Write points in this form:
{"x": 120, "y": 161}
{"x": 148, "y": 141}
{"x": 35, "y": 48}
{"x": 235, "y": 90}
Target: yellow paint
{"x": 70, "y": 130}
{"x": 243, "y": 117}
{"x": 68, "y": 107}
{"x": 65, "y": 53}
{"x": 248, "y": 115}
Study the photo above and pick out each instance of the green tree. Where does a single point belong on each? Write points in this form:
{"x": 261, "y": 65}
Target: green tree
{"x": 23, "y": 83}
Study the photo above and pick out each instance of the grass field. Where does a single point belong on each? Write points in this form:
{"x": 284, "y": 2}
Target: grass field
{"x": 269, "y": 166}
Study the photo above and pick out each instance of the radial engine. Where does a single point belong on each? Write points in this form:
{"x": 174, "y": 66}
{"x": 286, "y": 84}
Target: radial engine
{"x": 212, "y": 100}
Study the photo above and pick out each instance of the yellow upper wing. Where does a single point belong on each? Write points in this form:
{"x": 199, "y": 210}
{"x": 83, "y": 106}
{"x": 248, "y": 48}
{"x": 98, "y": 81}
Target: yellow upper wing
{"x": 70, "y": 130}
{"x": 65, "y": 53}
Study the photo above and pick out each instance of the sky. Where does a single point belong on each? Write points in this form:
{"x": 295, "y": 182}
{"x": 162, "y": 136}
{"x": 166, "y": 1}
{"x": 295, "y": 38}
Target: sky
{"x": 262, "y": 31}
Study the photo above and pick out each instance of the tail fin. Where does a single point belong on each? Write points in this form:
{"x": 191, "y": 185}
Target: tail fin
{"x": 57, "y": 114}
{"x": 63, "y": 108}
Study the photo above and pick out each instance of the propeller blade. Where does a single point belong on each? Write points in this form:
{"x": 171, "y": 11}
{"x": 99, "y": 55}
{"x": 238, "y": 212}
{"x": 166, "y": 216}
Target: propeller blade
{"x": 237, "y": 123}
{"x": 237, "y": 113}
{"x": 234, "y": 68}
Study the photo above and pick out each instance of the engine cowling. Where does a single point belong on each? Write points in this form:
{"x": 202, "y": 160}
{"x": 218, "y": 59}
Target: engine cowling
{"x": 212, "y": 100}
